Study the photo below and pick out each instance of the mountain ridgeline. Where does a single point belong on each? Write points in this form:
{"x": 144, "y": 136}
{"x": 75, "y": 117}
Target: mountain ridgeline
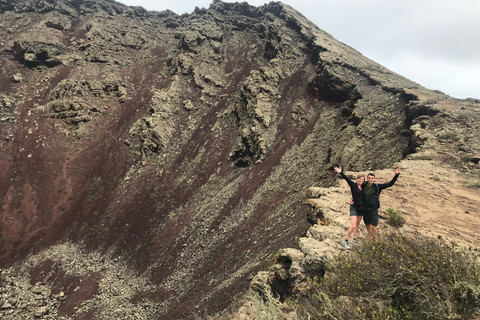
{"x": 170, "y": 154}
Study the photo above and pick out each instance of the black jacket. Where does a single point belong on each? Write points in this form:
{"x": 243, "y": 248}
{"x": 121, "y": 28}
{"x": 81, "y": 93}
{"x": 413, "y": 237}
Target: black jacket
{"x": 374, "y": 200}
{"x": 357, "y": 194}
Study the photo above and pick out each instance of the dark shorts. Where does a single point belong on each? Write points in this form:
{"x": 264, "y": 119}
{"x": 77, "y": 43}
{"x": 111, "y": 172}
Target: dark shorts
{"x": 355, "y": 212}
{"x": 371, "y": 217}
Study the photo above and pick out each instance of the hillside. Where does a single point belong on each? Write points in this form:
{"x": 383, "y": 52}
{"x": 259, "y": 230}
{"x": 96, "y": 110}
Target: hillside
{"x": 154, "y": 163}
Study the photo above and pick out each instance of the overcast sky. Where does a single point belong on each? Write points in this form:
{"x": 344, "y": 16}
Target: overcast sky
{"x": 435, "y": 43}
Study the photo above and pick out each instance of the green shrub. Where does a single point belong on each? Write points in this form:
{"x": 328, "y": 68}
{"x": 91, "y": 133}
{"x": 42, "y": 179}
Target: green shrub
{"x": 474, "y": 185}
{"x": 400, "y": 277}
{"x": 465, "y": 117}
{"x": 430, "y": 102}
{"x": 426, "y": 157}
{"x": 265, "y": 306}
{"x": 394, "y": 218}
{"x": 448, "y": 136}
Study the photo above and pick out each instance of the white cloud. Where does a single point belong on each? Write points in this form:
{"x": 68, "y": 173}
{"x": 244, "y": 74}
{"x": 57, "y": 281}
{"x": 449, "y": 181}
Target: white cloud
{"x": 444, "y": 75}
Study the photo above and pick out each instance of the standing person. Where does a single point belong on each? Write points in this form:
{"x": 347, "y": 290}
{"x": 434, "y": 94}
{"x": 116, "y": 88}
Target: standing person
{"x": 371, "y": 193}
{"x": 356, "y": 207}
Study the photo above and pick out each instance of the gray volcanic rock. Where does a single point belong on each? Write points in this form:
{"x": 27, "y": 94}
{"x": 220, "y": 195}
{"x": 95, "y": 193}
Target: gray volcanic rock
{"x": 178, "y": 146}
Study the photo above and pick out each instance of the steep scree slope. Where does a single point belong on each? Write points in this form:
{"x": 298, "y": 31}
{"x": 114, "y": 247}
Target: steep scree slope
{"x": 169, "y": 154}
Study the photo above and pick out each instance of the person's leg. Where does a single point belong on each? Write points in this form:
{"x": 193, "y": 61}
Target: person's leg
{"x": 352, "y": 227}
{"x": 367, "y": 219}
{"x": 353, "y": 214}
{"x": 369, "y": 230}
{"x": 374, "y": 224}
{"x": 357, "y": 224}
{"x": 373, "y": 233}
{"x": 355, "y": 232}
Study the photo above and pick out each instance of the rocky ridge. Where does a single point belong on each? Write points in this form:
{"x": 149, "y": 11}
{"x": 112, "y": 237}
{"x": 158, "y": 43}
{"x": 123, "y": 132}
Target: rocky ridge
{"x": 178, "y": 148}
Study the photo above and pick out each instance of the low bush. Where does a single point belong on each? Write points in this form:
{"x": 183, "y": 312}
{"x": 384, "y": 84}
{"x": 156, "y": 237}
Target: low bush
{"x": 430, "y": 102}
{"x": 394, "y": 217}
{"x": 474, "y": 185}
{"x": 448, "y": 136}
{"x": 465, "y": 117}
{"x": 255, "y": 306}
{"x": 399, "y": 277}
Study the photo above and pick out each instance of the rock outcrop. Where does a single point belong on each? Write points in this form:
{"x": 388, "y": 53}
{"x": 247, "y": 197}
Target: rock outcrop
{"x": 181, "y": 146}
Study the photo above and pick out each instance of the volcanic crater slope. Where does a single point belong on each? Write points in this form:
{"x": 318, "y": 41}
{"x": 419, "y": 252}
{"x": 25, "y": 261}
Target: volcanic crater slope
{"x": 153, "y": 163}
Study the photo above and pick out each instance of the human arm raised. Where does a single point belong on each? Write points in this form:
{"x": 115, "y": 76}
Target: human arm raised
{"x": 343, "y": 175}
{"x": 382, "y": 186}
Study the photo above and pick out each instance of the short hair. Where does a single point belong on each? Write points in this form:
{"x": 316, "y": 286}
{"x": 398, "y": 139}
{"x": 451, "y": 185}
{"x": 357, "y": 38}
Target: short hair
{"x": 371, "y": 174}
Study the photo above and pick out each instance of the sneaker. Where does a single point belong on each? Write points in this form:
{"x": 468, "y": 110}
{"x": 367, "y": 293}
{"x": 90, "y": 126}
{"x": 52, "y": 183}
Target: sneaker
{"x": 355, "y": 242}
{"x": 345, "y": 243}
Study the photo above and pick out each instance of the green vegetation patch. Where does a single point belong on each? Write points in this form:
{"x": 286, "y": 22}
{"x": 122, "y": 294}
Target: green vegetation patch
{"x": 474, "y": 185}
{"x": 399, "y": 277}
{"x": 448, "y": 136}
{"x": 394, "y": 218}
